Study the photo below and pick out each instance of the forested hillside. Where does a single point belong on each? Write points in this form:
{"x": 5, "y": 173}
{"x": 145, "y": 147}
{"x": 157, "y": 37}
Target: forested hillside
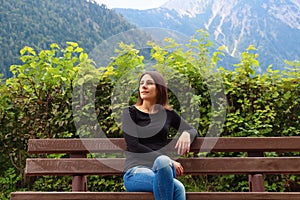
{"x": 40, "y": 23}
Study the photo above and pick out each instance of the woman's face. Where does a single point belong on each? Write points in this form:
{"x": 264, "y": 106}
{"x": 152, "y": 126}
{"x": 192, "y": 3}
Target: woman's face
{"x": 147, "y": 88}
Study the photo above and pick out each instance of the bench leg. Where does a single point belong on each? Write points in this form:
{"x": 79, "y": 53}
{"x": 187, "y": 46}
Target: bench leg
{"x": 256, "y": 183}
{"x": 79, "y": 184}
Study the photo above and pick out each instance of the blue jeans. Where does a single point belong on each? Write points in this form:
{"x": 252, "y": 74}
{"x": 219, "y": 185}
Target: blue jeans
{"x": 160, "y": 180}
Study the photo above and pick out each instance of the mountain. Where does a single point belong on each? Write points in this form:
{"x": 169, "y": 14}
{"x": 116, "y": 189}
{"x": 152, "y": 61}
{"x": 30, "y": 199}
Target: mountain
{"x": 273, "y": 26}
{"x": 39, "y": 23}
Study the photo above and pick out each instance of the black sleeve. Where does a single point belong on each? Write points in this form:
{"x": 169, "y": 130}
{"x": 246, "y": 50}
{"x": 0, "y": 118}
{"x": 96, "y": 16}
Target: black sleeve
{"x": 181, "y": 125}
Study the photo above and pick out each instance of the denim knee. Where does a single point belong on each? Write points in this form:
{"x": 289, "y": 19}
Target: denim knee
{"x": 162, "y": 162}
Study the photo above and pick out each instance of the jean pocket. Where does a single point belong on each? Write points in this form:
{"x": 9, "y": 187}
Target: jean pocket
{"x": 128, "y": 173}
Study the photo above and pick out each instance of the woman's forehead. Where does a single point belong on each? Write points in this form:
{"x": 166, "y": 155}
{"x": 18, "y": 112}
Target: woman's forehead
{"x": 147, "y": 77}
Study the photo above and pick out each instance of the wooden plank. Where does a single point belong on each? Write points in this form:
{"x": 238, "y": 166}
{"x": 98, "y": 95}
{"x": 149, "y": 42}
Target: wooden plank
{"x": 76, "y": 146}
{"x": 149, "y": 196}
{"x": 248, "y": 144}
{"x": 245, "y": 165}
{"x": 74, "y": 166}
{"x": 111, "y": 166}
{"x": 203, "y": 144}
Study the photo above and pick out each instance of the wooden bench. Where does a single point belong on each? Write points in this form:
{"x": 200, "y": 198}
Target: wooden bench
{"x": 79, "y": 166}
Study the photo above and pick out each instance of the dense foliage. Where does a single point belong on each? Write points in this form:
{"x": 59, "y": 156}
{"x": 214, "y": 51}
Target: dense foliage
{"x": 38, "y": 102}
{"x": 40, "y": 23}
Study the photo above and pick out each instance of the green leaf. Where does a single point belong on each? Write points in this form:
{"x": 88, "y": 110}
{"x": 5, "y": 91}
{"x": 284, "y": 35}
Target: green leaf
{"x": 83, "y": 57}
{"x": 54, "y": 46}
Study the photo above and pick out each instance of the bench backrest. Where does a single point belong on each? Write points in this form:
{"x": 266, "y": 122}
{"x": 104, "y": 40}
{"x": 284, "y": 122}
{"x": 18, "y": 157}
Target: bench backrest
{"x": 255, "y": 164}
{"x": 79, "y": 148}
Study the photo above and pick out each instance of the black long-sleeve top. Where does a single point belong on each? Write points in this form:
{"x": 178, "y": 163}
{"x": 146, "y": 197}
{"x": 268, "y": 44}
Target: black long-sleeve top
{"x": 146, "y": 134}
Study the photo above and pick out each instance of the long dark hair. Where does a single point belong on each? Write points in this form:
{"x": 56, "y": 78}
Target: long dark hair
{"x": 161, "y": 87}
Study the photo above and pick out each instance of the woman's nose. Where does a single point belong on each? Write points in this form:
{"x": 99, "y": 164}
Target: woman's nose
{"x": 144, "y": 86}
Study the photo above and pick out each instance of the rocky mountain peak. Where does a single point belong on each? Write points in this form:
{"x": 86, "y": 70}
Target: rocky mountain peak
{"x": 287, "y": 11}
{"x": 189, "y": 8}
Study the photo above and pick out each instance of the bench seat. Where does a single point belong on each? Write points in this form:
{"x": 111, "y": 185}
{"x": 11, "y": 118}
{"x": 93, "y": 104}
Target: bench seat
{"x": 149, "y": 196}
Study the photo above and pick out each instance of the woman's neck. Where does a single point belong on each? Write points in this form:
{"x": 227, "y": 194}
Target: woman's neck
{"x": 148, "y": 107}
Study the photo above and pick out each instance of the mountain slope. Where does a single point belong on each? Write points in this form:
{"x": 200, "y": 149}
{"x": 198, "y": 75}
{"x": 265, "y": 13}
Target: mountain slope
{"x": 273, "y": 27}
{"x": 40, "y": 23}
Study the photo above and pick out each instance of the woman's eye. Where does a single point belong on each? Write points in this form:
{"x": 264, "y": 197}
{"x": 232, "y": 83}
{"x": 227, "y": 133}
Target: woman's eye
{"x": 147, "y": 83}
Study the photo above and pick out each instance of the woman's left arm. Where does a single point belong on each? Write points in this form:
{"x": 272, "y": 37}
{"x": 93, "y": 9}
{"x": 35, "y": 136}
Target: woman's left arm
{"x": 183, "y": 144}
{"x": 188, "y": 134}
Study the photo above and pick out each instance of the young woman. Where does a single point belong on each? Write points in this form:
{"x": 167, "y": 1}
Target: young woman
{"x": 145, "y": 127}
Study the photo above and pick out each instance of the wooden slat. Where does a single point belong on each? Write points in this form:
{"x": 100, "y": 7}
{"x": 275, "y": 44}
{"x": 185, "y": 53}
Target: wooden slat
{"x": 207, "y": 144}
{"x": 245, "y": 165}
{"x": 110, "y": 166}
{"x": 77, "y": 146}
{"x": 149, "y": 196}
{"x": 248, "y": 144}
{"x": 74, "y": 166}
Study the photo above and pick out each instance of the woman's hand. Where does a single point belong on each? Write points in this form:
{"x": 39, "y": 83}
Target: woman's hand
{"x": 178, "y": 168}
{"x": 183, "y": 144}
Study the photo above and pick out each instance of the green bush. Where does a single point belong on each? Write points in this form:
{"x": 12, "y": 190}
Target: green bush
{"x": 9, "y": 183}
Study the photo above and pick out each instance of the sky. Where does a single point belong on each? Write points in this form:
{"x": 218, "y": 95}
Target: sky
{"x": 135, "y": 4}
